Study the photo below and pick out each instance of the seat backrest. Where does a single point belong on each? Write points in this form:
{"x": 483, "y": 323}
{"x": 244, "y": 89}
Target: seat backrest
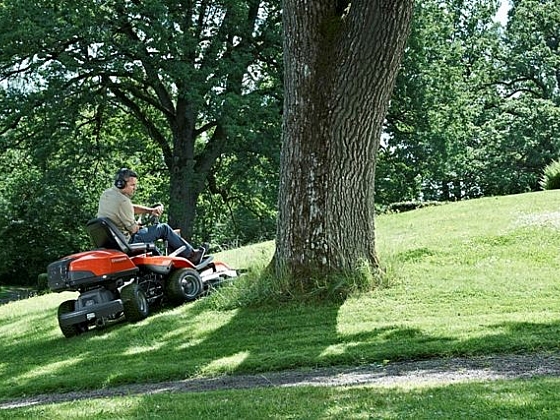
{"x": 105, "y": 234}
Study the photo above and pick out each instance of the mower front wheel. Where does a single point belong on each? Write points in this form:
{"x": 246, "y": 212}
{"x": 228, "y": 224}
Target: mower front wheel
{"x": 67, "y": 307}
{"x": 135, "y": 303}
{"x": 184, "y": 285}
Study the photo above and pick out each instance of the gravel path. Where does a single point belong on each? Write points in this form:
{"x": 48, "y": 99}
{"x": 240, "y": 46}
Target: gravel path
{"x": 410, "y": 374}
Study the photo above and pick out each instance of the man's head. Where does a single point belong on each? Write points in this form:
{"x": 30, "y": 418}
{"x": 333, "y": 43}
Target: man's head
{"x": 126, "y": 181}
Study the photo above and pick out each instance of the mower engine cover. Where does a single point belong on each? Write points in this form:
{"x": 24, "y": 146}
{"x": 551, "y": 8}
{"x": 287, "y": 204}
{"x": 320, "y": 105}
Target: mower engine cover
{"x": 86, "y": 268}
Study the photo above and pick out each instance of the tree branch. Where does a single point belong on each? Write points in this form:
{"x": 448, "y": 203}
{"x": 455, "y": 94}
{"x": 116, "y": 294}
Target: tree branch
{"x": 146, "y": 122}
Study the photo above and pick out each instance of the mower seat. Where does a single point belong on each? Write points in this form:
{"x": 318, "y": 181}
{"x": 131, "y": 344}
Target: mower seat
{"x": 104, "y": 234}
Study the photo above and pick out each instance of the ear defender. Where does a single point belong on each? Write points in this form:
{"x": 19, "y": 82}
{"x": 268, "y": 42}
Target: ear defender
{"x": 120, "y": 182}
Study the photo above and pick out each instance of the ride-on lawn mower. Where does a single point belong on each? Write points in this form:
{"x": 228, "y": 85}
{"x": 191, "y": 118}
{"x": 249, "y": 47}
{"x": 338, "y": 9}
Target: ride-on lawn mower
{"x": 118, "y": 278}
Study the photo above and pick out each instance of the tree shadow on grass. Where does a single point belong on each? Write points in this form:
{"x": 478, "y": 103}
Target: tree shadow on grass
{"x": 176, "y": 344}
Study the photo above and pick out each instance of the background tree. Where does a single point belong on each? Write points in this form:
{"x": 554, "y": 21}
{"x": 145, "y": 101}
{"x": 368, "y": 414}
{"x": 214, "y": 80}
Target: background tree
{"x": 341, "y": 60}
{"x": 523, "y": 131}
{"x": 431, "y": 148}
{"x": 187, "y": 74}
{"x": 475, "y": 110}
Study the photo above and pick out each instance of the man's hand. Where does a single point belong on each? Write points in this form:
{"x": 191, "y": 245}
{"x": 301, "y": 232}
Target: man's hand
{"x": 157, "y": 210}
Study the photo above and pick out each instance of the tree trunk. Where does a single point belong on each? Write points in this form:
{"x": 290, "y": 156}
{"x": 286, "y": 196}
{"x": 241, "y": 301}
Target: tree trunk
{"x": 185, "y": 183}
{"x": 189, "y": 171}
{"x": 341, "y": 60}
{"x": 183, "y": 198}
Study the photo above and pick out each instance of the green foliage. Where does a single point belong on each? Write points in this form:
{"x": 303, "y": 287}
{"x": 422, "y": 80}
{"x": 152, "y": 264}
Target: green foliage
{"x": 550, "y": 179}
{"x": 255, "y": 288}
{"x": 41, "y": 219}
{"x": 476, "y": 108}
{"x": 338, "y": 287}
{"x": 239, "y": 205}
{"x": 517, "y": 144}
{"x": 431, "y": 132}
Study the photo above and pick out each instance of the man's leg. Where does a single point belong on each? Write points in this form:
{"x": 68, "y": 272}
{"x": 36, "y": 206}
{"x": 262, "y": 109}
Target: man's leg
{"x": 163, "y": 231}
{"x": 143, "y": 236}
{"x": 173, "y": 239}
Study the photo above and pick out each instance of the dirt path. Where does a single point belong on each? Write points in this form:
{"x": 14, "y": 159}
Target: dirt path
{"x": 422, "y": 373}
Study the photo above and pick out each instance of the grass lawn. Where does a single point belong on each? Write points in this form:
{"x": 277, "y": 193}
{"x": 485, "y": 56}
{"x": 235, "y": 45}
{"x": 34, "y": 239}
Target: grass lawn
{"x": 470, "y": 278}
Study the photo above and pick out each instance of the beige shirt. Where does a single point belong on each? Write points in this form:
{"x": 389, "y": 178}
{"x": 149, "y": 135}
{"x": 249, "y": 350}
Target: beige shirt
{"x": 117, "y": 207}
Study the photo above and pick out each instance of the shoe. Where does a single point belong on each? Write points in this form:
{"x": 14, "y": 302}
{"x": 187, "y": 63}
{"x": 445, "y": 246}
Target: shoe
{"x": 196, "y": 256}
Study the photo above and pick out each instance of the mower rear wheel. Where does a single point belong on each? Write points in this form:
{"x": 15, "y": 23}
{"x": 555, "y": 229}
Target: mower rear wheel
{"x": 135, "y": 303}
{"x": 68, "y": 307}
{"x": 184, "y": 285}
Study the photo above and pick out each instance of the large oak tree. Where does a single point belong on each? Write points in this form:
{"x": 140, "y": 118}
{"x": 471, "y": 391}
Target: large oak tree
{"x": 341, "y": 60}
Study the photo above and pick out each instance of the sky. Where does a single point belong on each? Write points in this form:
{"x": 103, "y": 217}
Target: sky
{"x": 501, "y": 16}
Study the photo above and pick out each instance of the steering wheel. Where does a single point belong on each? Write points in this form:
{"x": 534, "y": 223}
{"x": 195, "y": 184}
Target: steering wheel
{"x": 149, "y": 219}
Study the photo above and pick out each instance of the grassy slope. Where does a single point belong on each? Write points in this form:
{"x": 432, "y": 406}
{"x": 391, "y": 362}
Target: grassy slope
{"x": 475, "y": 277}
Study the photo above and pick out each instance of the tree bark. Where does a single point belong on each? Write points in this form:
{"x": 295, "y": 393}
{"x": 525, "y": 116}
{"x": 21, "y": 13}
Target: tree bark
{"x": 341, "y": 59}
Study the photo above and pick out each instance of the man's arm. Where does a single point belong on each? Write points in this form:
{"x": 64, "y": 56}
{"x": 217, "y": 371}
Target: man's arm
{"x": 155, "y": 211}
